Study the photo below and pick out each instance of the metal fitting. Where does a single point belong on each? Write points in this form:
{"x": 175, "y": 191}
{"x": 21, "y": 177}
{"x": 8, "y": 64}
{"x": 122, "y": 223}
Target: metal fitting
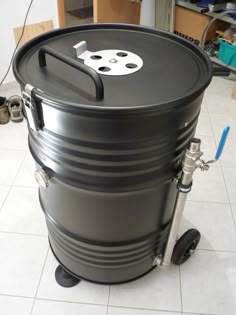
{"x": 204, "y": 166}
{"x": 192, "y": 159}
{"x": 157, "y": 261}
{"x": 42, "y": 178}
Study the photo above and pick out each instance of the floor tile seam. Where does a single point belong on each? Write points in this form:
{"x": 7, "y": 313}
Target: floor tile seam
{"x": 70, "y": 302}
{"x": 24, "y": 234}
{"x": 108, "y": 300}
{"x": 17, "y": 296}
{"x": 222, "y": 170}
{"x": 12, "y": 182}
{"x": 216, "y": 250}
{"x": 41, "y": 274}
{"x": 210, "y": 202}
{"x": 144, "y": 309}
{"x": 23, "y": 186}
{"x": 184, "y": 313}
{"x": 96, "y": 304}
{"x": 50, "y": 300}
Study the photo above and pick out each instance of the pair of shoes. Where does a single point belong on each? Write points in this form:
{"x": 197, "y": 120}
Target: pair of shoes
{"x": 15, "y": 108}
{"x": 11, "y": 108}
{"x": 4, "y": 114}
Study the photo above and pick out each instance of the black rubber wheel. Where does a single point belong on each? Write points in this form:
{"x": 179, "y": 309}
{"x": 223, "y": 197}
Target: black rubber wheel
{"x": 185, "y": 246}
{"x": 64, "y": 279}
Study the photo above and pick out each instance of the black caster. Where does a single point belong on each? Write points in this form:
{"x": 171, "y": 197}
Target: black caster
{"x": 185, "y": 246}
{"x": 65, "y": 279}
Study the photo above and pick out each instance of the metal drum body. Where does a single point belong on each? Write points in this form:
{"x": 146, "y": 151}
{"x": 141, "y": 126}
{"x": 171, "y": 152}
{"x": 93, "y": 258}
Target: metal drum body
{"x": 111, "y": 189}
{"x": 109, "y": 205}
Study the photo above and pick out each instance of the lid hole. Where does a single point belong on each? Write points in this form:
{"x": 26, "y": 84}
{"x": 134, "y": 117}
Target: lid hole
{"x": 131, "y": 65}
{"x": 122, "y": 54}
{"x": 96, "y": 57}
{"x": 104, "y": 69}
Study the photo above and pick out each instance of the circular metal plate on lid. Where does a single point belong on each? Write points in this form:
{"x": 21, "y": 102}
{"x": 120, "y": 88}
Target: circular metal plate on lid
{"x": 109, "y": 61}
{"x": 114, "y": 62}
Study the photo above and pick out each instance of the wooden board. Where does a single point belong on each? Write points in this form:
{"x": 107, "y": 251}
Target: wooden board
{"x": 31, "y": 31}
{"x": 116, "y": 11}
{"x": 192, "y": 24}
{"x": 61, "y": 13}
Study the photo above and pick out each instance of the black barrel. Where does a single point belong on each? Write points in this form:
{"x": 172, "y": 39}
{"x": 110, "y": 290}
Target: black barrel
{"x": 108, "y": 126}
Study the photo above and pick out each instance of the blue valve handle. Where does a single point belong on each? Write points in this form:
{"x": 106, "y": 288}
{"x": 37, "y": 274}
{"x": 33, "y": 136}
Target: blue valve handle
{"x": 222, "y": 142}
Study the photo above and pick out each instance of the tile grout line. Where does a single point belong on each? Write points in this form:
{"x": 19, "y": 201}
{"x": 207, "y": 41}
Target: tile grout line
{"x": 26, "y": 234}
{"x": 230, "y": 205}
{"x": 223, "y": 175}
{"x": 20, "y": 167}
{"x": 215, "y": 250}
{"x": 26, "y": 187}
{"x": 70, "y": 302}
{"x": 4, "y": 200}
{"x": 31, "y": 312}
{"x": 108, "y": 301}
{"x": 221, "y": 168}
{"x": 94, "y": 304}
{"x": 147, "y": 309}
{"x": 51, "y": 300}
{"x": 232, "y": 216}
{"x": 216, "y": 202}
{"x": 17, "y": 296}
{"x": 10, "y": 186}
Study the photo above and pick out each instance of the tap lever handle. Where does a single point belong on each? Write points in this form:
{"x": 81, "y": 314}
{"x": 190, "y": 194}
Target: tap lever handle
{"x": 222, "y": 142}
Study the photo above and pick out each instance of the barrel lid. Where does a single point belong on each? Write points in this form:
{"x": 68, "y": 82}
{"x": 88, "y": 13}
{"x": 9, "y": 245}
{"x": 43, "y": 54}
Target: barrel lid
{"x": 136, "y": 66}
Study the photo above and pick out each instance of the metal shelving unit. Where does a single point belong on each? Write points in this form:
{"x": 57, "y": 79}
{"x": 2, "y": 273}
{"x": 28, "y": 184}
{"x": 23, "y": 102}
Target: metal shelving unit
{"x": 189, "y": 5}
{"x": 223, "y": 18}
{"x": 193, "y": 7}
{"x": 216, "y": 60}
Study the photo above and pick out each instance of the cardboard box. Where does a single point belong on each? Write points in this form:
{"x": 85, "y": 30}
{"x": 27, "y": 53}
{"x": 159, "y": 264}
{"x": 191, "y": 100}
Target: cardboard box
{"x": 190, "y": 24}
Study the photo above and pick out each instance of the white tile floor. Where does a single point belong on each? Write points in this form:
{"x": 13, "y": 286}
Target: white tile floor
{"x": 206, "y": 284}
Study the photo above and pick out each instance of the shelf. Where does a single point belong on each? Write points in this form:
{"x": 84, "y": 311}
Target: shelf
{"x": 193, "y": 7}
{"x": 228, "y": 19}
{"x": 189, "y": 5}
{"x": 222, "y": 18}
{"x": 216, "y": 60}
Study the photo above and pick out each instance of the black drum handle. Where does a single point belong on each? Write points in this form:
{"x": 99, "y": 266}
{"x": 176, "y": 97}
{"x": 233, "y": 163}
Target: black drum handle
{"x": 75, "y": 64}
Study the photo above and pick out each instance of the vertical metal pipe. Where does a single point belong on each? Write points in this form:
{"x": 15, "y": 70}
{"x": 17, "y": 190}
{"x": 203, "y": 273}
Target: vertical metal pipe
{"x": 172, "y": 16}
{"x": 189, "y": 165}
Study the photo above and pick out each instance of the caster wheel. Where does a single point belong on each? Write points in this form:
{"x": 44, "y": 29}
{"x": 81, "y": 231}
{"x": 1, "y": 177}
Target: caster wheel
{"x": 185, "y": 246}
{"x": 64, "y": 279}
